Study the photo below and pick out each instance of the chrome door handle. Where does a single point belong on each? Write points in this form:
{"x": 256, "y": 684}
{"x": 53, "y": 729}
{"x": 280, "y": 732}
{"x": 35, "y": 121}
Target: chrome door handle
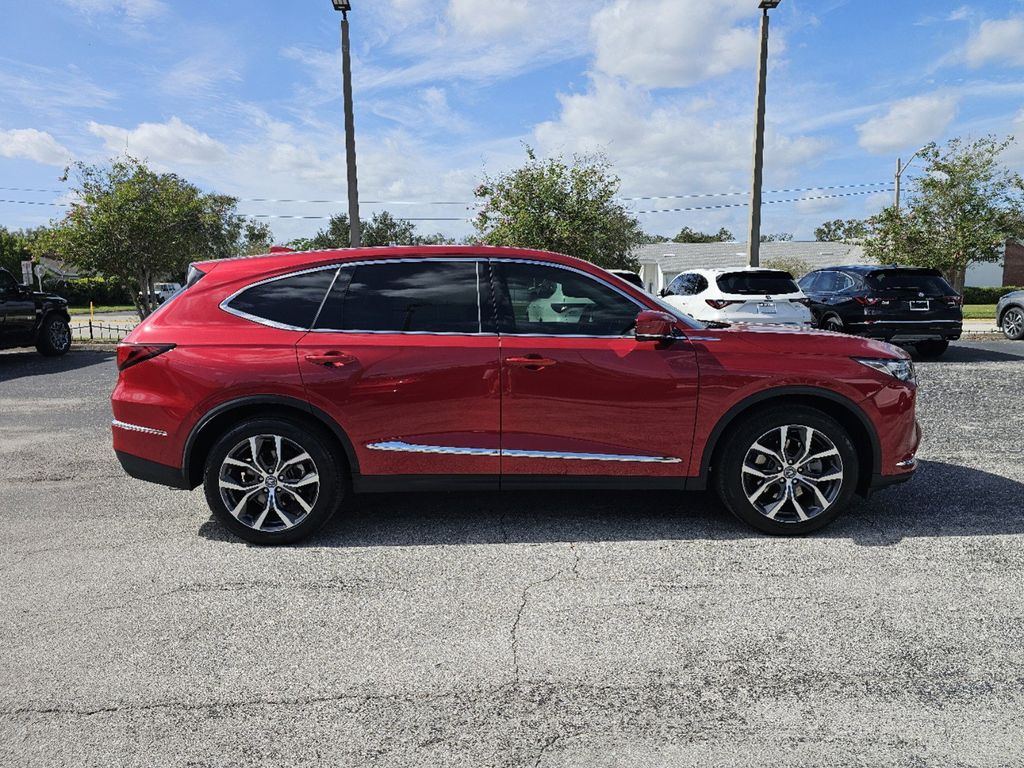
{"x": 331, "y": 359}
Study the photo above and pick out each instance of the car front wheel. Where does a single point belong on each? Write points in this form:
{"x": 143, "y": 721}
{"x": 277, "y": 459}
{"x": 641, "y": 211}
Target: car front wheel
{"x": 274, "y": 481}
{"x": 787, "y": 471}
{"x": 54, "y": 337}
{"x": 1013, "y": 324}
{"x": 833, "y": 323}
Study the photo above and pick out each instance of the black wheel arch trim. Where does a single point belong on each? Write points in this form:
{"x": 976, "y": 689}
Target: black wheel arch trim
{"x": 1004, "y": 310}
{"x": 250, "y": 400}
{"x": 776, "y": 393}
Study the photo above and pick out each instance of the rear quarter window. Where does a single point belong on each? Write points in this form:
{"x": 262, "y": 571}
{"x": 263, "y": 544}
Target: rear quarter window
{"x": 757, "y": 283}
{"x": 291, "y": 301}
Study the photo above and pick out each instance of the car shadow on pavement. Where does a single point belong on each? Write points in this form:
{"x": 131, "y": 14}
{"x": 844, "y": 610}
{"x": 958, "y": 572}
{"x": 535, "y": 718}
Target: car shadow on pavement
{"x": 944, "y": 500}
{"x": 18, "y": 364}
{"x": 962, "y": 353}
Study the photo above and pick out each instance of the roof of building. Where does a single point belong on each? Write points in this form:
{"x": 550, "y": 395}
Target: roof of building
{"x": 679, "y": 257}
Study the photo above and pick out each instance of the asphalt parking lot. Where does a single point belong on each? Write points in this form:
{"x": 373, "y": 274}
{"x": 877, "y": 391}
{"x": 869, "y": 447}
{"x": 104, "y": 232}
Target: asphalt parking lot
{"x": 569, "y": 629}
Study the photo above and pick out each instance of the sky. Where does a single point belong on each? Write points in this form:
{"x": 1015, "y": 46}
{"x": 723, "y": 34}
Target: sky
{"x": 245, "y": 99}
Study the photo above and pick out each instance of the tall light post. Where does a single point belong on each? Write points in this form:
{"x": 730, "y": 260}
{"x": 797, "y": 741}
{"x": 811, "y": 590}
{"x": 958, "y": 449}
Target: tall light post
{"x": 350, "y": 125}
{"x": 900, "y": 168}
{"x": 754, "y": 255}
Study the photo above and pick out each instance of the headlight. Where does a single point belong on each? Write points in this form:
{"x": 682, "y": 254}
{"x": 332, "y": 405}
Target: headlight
{"x": 897, "y": 368}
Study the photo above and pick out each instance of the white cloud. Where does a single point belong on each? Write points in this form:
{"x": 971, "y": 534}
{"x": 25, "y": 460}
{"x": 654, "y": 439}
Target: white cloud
{"x": 674, "y": 43}
{"x": 133, "y": 10}
{"x": 33, "y": 145}
{"x": 44, "y": 89}
{"x": 912, "y": 121}
{"x": 488, "y": 19}
{"x": 424, "y": 110}
{"x": 170, "y": 143}
{"x": 997, "y": 40}
{"x": 197, "y": 76}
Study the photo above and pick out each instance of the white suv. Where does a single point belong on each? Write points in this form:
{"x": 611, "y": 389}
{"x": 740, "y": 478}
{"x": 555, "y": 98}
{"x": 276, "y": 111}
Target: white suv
{"x": 742, "y": 295}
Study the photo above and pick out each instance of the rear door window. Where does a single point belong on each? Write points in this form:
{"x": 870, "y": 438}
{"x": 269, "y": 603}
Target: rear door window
{"x": 757, "y": 283}
{"x": 420, "y": 296}
{"x": 290, "y": 302}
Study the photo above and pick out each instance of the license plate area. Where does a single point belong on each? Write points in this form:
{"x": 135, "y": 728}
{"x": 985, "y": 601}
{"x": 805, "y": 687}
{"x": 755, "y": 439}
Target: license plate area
{"x": 767, "y": 308}
{"x": 920, "y": 306}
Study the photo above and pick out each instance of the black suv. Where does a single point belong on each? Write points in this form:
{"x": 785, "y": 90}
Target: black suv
{"x": 904, "y": 305}
{"x": 29, "y": 318}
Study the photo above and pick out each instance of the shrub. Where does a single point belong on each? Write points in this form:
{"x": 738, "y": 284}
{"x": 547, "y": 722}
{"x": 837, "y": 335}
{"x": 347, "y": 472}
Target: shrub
{"x": 101, "y": 291}
{"x": 974, "y": 295}
{"x": 795, "y": 266}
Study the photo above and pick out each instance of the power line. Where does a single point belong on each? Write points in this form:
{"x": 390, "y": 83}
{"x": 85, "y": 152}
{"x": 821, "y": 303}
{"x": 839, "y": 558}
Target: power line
{"x": 766, "y": 192}
{"x": 765, "y": 202}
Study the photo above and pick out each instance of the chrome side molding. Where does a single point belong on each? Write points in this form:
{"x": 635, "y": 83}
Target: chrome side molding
{"x": 404, "y": 447}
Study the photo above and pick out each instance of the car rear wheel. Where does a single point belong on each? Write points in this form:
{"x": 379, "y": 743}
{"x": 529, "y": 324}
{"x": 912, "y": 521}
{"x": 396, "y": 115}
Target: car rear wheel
{"x": 274, "y": 481}
{"x": 932, "y": 349}
{"x": 833, "y": 323}
{"x": 1013, "y": 324}
{"x": 787, "y": 471}
{"x": 54, "y": 337}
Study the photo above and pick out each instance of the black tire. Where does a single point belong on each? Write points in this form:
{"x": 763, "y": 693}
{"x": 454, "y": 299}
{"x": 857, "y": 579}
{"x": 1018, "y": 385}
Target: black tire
{"x": 735, "y": 486}
{"x": 1012, "y": 323}
{"x": 54, "y": 338}
{"x": 832, "y": 322}
{"x": 273, "y": 506}
{"x": 931, "y": 350}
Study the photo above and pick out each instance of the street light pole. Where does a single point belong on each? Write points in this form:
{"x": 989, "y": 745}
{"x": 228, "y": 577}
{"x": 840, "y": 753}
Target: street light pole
{"x": 754, "y": 254}
{"x": 350, "y": 125}
{"x": 900, "y": 168}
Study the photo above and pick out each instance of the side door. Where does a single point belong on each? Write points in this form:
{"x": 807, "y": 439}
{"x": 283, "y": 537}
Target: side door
{"x": 17, "y": 311}
{"x": 581, "y": 396}
{"x": 404, "y": 356}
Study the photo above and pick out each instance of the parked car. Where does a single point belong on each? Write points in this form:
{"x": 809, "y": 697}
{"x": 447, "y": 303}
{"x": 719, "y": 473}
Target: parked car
{"x": 746, "y": 295}
{"x": 29, "y": 318}
{"x": 163, "y": 291}
{"x": 904, "y": 305}
{"x": 629, "y": 277}
{"x": 285, "y": 383}
{"x": 1010, "y": 315}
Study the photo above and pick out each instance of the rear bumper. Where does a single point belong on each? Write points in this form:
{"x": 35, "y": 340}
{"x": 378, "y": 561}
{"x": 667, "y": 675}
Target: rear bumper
{"x": 151, "y": 471}
{"x": 910, "y": 330}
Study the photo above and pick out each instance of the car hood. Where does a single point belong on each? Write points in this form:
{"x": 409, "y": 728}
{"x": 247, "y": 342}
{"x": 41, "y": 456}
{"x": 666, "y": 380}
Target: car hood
{"x": 813, "y": 342}
{"x": 48, "y": 297}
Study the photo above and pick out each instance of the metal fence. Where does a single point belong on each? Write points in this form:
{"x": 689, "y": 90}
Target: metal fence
{"x": 91, "y": 330}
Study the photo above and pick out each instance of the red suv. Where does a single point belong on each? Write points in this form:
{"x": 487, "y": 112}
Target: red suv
{"x": 285, "y": 383}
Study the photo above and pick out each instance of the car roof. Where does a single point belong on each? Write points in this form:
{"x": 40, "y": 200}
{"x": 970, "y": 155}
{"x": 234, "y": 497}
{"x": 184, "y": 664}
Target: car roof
{"x": 730, "y": 270}
{"x": 865, "y": 269}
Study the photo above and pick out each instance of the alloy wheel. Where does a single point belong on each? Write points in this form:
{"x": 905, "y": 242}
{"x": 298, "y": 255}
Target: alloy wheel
{"x": 60, "y": 336}
{"x": 1013, "y": 323}
{"x": 269, "y": 483}
{"x": 792, "y": 473}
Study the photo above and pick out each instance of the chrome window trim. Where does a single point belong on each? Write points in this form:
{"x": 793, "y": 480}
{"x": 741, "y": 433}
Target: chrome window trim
{"x": 403, "y": 447}
{"x": 137, "y": 428}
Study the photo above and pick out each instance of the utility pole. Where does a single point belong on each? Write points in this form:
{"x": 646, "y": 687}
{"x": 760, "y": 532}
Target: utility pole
{"x": 754, "y": 254}
{"x": 899, "y": 173}
{"x": 350, "y": 125}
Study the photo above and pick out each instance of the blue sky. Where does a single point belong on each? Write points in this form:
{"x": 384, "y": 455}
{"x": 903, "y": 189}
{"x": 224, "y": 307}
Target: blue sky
{"x": 244, "y": 98}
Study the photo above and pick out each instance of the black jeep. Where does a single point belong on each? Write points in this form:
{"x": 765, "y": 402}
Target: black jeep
{"x": 30, "y": 318}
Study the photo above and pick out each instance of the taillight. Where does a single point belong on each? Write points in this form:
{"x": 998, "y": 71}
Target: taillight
{"x": 720, "y": 303}
{"x": 955, "y": 301}
{"x": 805, "y": 302}
{"x": 867, "y": 301}
{"x": 133, "y": 354}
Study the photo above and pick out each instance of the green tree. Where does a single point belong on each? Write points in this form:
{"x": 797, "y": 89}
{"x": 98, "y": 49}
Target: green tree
{"x": 557, "y": 206}
{"x": 134, "y": 225}
{"x": 841, "y": 231}
{"x": 778, "y": 237}
{"x": 687, "y": 235}
{"x": 382, "y": 229}
{"x": 960, "y": 211}
{"x": 15, "y": 247}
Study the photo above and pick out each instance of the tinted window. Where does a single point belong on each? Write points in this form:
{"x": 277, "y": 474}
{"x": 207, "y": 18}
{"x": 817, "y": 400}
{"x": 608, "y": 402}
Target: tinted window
{"x": 698, "y": 284}
{"x": 409, "y": 296}
{"x": 808, "y": 282}
{"x": 675, "y": 287}
{"x": 7, "y": 282}
{"x": 551, "y": 301}
{"x": 756, "y": 283}
{"x": 291, "y": 301}
{"x": 901, "y": 280}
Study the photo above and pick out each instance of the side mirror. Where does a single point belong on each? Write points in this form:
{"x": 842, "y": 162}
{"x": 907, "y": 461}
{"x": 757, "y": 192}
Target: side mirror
{"x": 652, "y": 325}
{"x": 664, "y": 292}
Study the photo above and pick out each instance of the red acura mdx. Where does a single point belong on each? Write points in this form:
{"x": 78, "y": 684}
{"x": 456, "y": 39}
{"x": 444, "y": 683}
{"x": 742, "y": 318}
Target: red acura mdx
{"x": 285, "y": 383}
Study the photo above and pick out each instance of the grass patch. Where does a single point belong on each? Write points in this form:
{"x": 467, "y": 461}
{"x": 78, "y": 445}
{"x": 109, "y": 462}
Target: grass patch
{"x": 980, "y": 312}
{"x": 116, "y": 308}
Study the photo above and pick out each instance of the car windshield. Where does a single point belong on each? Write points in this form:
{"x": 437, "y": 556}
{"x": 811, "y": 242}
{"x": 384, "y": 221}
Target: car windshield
{"x": 757, "y": 283}
{"x": 905, "y": 280}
